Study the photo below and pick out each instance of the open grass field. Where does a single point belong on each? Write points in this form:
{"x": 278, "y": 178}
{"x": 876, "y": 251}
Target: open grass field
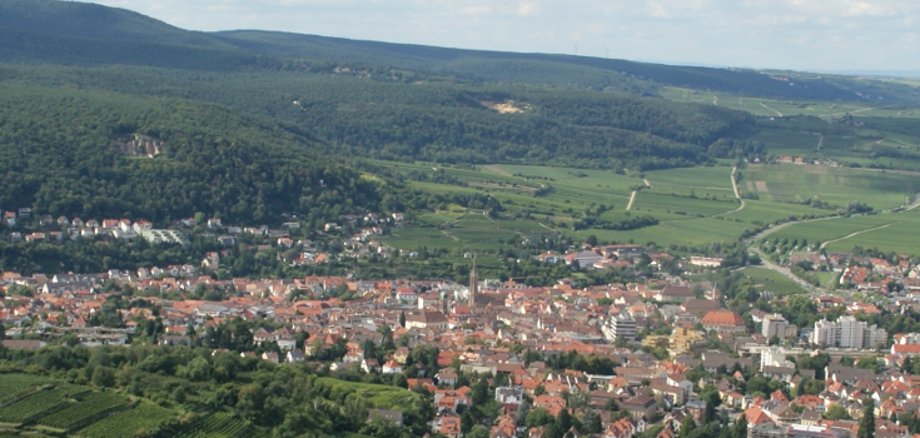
{"x": 771, "y": 281}
{"x": 694, "y": 206}
{"x": 834, "y": 185}
{"x": 889, "y": 232}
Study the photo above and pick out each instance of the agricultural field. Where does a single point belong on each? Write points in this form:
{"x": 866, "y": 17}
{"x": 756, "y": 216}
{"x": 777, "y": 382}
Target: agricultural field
{"x": 143, "y": 416}
{"x": 217, "y": 425}
{"x": 771, "y": 281}
{"x": 693, "y": 206}
{"x": 31, "y": 405}
{"x": 836, "y": 186}
{"x": 378, "y": 396}
{"x": 35, "y": 405}
{"x": 13, "y": 386}
{"x": 888, "y": 232}
{"x": 776, "y": 107}
{"x": 83, "y": 410}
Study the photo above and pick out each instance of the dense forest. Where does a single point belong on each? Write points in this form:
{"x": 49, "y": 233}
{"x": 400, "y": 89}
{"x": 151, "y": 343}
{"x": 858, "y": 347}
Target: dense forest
{"x": 61, "y": 154}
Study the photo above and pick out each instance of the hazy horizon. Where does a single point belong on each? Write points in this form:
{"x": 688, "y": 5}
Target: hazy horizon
{"x": 810, "y": 35}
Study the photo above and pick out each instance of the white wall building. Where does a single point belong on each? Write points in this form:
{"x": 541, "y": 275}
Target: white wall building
{"x": 848, "y": 332}
{"x": 774, "y": 325}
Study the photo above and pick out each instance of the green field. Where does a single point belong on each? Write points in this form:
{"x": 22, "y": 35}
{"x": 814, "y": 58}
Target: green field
{"x": 144, "y": 416}
{"x": 777, "y": 107}
{"x": 889, "y": 232}
{"x": 37, "y": 404}
{"x": 694, "y": 206}
{"x": 837, "y": 186}
{"x": 33, "y": 405}
{"x": 83, "y": 410}
{"x": 771, "y": 281}
{"x": 217, "y": 425}
{"x": 378, "y": 396}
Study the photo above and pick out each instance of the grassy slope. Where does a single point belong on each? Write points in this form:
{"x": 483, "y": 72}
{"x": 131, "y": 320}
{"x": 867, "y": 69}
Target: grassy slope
{"x": 711, "y": 215}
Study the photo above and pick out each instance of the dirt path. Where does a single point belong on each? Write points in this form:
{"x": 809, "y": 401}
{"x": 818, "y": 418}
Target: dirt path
{"x": 820, "y": 141}
{"x": 770, "y": 109}
{"x": 647, "y": 184}
{"x": 632, "y": 198}
{"x": 914, "y": 204}
{"x": 497, "y": 169}
{"x": 735, "y": 189}
{"x": 854, "y": 234}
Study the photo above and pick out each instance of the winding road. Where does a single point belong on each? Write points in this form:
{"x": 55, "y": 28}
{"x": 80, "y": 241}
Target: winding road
{"x": 786, "y": 272}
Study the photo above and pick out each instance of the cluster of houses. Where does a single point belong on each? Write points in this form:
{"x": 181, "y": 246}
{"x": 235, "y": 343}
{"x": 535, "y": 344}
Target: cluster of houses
{"x": 363, "y": 241}
{"x": 479, "y": 327}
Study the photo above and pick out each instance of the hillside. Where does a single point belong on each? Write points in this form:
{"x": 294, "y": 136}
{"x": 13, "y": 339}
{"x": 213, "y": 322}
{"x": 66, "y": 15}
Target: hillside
{"x": 254, "y": 125}
{"x": 97, "y": 154}
{"x": 51, "y": 31}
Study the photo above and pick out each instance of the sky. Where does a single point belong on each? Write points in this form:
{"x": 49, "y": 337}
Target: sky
{"x": 813, "y": 35}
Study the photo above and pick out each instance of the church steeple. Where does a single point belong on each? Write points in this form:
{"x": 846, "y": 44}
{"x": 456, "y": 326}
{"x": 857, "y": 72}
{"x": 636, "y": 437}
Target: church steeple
{"x": 474, "y": 285}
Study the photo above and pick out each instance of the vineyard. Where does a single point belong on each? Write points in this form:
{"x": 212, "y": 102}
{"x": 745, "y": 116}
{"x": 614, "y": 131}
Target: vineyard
{"x": 216, "y": 425}
{"x": 144, "y": 416}
{"x": 83, "y": 411}
{"x": 34, "y": 405}
{"x": 13, "y": 386}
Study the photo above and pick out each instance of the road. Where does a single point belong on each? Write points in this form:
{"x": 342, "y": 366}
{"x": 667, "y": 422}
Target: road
{"x": 785, "y": 272}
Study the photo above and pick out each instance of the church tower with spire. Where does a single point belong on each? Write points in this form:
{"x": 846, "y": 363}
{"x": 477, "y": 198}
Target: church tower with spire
{"x": 474, "y": 285}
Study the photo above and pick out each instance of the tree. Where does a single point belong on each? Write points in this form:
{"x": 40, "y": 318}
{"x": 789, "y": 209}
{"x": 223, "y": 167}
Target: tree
{"x": 103, "y": 377}
{"x": 739, "y": 430}
{"x": 591, "y": 422}
{"x": 687, "y": 426}
{"x": 867, "y": 422}
{"x": 478, "y": 431}
{"x": 836, "y": 412}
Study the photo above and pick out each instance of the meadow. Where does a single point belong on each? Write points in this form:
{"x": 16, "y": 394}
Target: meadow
{"x": 692, "y": 206}
{"x": 771, "y": 281}
{"x": 838, "y": 186}
{"x": 888, "y": 232}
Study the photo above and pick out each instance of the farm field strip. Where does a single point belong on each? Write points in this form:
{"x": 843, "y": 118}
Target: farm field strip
{"x": 889, "y": 232}
{"x": 769, "y": 107}
{"x": 838, "y": 186}
{"x": 694, "y": 206}
{"x": 219, "y": 424}
{"x": 35, "y": 405}
{"x": 144, "y": 416}
{"x": 90, "y": 406}
{"x": 17, "y": 385}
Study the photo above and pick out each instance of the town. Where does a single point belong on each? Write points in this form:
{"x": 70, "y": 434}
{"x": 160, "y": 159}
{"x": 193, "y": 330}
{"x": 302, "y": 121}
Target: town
{"x": 647, "y": 358}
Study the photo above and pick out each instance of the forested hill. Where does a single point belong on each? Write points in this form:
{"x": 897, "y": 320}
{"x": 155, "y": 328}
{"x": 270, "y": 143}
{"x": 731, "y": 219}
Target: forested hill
{"x": 96, "y": 154}
{"x": 85, "y": 34}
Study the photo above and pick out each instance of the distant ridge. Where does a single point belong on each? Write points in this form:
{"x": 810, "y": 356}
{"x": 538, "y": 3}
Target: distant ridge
{"x": 74, "y": 33}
